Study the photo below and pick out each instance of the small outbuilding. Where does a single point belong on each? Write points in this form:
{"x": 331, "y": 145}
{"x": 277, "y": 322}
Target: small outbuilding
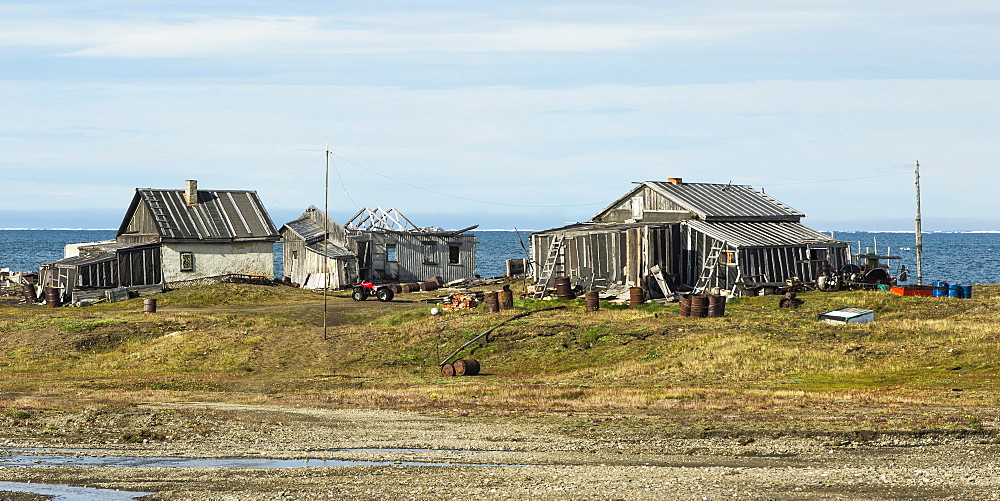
{"x": 314, "y": 261}
{"x": 692, "y": 235}
{"x": 375, "y": 245}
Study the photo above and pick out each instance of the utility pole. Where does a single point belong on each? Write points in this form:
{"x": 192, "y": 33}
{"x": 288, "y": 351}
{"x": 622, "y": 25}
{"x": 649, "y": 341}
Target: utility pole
{"x": 326, "y": 237}
{"x": 920, "y": 234}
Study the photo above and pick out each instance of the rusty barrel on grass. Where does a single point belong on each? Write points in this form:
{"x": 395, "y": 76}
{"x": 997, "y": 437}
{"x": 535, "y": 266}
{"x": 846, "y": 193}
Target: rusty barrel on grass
{"x": 466, "y": 367}
{"x": 149, "y": 305}
{"x": 52, "y": 297}
{"x": 429, "y": 285}
{"x": 447, "y": 370}
{"x": 506, "y": 299}
{"x": 411, "y": 287}
{"x": 492, "y": 300}
{"x": 592, "y": 302}
{"x": 635, "y": 297}
{"x": 699, "y": 305}
{"x": 28, "y": 291}
{"x": 684, "y": 303}
{"x": 716, "y": 306}
{"x": 564, "y": 289}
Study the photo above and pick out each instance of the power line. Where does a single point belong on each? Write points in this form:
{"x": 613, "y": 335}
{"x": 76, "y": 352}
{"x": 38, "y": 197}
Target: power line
{"x": 456, "y": 196}
{"x": 836, "y": 180}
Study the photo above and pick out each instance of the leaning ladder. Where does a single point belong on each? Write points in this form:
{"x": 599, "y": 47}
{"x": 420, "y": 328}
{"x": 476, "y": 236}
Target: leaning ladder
{"x": 548, "y": 268}
{"x": 708, "y": 269}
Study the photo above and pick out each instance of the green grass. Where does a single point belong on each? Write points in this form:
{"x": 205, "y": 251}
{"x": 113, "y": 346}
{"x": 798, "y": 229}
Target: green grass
{"x": 924, "y": 362}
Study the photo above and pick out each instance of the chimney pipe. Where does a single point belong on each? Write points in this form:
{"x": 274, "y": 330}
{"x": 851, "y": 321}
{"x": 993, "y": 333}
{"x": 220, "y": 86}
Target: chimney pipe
{"x": 675, "y": 180}
{"x": 191, "y": 191}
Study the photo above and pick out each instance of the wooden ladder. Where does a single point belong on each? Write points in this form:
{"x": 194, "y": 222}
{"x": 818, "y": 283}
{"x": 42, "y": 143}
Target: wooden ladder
{"x": 162, "y": 219}
{"x": 708, "y": 269}
{"x": 548, "y": 268}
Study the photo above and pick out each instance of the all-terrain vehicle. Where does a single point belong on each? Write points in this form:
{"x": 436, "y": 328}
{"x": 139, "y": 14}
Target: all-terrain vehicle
{"x": 383, "y": 292}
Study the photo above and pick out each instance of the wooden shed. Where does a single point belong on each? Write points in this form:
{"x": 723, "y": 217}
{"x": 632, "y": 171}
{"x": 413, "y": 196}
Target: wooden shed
{"x": 700, "y": 236}
{"x": 313, "y": 261}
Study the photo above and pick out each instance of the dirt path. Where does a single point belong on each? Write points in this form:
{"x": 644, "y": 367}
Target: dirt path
{"x": 486, "y": 459}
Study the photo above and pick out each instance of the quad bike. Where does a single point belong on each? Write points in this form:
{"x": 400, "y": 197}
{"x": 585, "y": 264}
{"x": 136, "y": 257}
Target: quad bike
{"x": 382, "y": 292}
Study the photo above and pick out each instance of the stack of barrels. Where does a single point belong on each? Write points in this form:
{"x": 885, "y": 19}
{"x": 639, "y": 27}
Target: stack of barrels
{"x": 463, "y": 367}
{"x": 564, "y": 290}
{"x": 702, "y": 305}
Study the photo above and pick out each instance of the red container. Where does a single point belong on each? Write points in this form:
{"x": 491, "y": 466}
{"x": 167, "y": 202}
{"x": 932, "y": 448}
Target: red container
{"x": 913, "y": 290}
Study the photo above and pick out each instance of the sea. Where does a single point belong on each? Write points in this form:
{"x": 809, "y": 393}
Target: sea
{"x": 954, "y": 257}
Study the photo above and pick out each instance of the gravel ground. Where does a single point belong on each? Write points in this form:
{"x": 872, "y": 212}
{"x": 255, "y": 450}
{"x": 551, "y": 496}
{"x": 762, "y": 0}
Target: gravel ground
{"x": 479, "y": 458}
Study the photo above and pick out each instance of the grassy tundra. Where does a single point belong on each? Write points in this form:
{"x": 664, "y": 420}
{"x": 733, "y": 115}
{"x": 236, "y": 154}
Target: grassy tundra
{"x": 927, "y": 365}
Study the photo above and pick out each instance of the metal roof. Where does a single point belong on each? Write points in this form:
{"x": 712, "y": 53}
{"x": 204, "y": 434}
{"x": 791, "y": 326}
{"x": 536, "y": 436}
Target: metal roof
{"x": 81, "y": 260}
{"x": 221, "y": 215}
{"x": 311, "y": 232}
{"x": 308, "y": 230}
{"x": 761, "y": 234}
{"x": 725, "y": 201}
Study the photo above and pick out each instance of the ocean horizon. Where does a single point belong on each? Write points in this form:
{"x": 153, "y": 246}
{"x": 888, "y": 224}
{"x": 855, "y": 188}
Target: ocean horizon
{"x": 949, "y": 256}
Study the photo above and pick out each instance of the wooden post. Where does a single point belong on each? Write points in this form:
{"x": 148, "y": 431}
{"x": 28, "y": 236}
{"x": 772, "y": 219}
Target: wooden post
{"x": 919, "y": 233}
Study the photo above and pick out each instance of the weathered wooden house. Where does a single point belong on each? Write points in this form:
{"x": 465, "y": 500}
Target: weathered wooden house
{"x": 309, "y": 258}
{"x": 391, "y": 248}
{"x": 169, "y": 237}
{"x": 387, "y": 247}
{"x": 701, "y": 236}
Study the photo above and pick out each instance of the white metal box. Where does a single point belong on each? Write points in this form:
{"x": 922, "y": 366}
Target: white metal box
{"x": 847, "y": 316}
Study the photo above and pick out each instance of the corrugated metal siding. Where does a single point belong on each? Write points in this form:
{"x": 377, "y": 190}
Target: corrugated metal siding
{"x": 218, "y": 215}
{"x": 723, "y": 201}
{"x": 760, "y": 234}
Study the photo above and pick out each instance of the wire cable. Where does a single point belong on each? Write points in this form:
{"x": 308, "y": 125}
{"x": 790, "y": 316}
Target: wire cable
{"x": 456, "y": 196}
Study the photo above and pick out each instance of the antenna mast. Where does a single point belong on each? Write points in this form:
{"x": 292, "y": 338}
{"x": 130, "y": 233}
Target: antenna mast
{"x": 920, "y": 234}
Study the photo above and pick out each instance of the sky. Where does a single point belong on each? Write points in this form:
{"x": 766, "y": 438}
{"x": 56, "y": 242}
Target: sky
{"x": 506, "y": 114}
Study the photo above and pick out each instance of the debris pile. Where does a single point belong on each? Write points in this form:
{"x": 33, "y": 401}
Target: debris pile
{"x": 460, "y": 301}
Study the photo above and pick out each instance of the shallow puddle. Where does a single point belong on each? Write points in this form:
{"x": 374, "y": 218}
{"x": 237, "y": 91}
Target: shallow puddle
{"x": 71, "y": 493}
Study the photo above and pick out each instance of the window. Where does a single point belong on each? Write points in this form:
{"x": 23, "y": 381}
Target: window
{"x": 430, "y": 249}
{"x": 390, "y": 253}
{"x": 187, "y": 261}
{"x": 728, "y": 257}
{"x": 455, "y": 254}
{"x": 295, "y": 254}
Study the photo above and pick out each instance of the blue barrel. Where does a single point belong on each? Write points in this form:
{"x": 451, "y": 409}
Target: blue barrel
{"x": 955, "y": 290}
{"x": 940, "y": 289}
{"x": 967, "y": 291}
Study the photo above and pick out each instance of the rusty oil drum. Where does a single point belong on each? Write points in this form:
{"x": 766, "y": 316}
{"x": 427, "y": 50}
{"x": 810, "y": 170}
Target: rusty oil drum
{"x": 28, "y": 291}
{"x": 447, "y": 370}
{"x": 466, "y": 367}
{"x": 716, "y": 306}
{"x": 592, "y": 301}
{"x": 411, "y": 287}
{"x": 506, "y": 298}
{"x": 149, "y": 305}
{"x": 52, "y": 299}
{"x": 429, "y": 285}
{"x": 564, "y": 289}
{"x": 635, "y": 297}
{"x": 492, "y": 300}
{"x": 685, "y": 305}
{"x": 699, "y": 305}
